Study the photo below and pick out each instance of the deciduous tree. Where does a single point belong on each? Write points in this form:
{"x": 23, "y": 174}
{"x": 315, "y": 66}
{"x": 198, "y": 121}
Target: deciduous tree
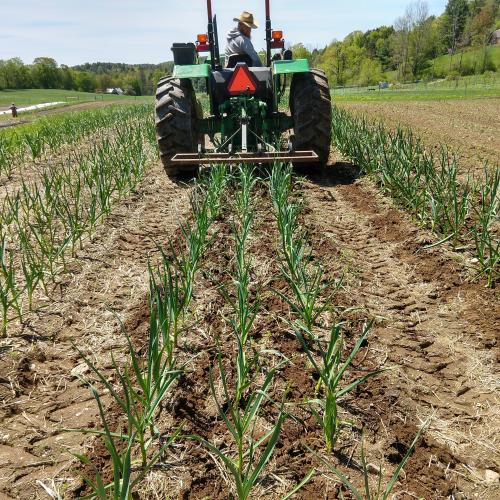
{"x": 455, "y": 18}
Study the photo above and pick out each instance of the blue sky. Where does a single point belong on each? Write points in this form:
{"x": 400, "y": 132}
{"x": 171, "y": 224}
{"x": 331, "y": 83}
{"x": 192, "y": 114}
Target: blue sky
{"x": 76, "y": 31}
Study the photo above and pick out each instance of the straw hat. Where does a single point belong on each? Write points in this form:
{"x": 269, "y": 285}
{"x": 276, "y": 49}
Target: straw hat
{"x": 247, "y": 19}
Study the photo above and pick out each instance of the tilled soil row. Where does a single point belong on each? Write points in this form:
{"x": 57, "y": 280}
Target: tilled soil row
{"x": 191, "y": 471}
{"x": 416, "y": 327}
{"x": 468, "y": 127}
{"x": 440, "y": 329}
{"x": 40, "y": 391}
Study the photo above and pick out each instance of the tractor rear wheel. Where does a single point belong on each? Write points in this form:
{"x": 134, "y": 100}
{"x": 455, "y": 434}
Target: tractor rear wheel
{"x": 311, "y": 109}
{"x": 176, "y": 116}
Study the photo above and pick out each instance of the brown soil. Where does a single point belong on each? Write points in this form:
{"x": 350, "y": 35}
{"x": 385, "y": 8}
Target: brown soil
{"x": 12, "y": 123}
{"x": 436, "y": 328}
{"x": 468, "y": 127}
{"x": 39, "y": 390}
{"x": 441, "y": 330}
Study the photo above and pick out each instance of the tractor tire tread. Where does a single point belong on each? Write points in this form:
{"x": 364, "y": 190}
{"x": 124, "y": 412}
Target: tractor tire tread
{"x": 176, "y": 116}
{"x": 311, "y": 110}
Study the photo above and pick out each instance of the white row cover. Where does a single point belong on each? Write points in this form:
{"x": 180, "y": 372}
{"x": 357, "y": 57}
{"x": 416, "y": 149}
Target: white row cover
{"x": 31, "y": 108}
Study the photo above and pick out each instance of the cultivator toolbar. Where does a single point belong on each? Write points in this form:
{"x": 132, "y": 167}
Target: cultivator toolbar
{"x": 263, "y": 157}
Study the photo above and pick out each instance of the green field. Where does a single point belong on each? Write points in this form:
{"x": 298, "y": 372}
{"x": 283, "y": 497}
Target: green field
{"x": 469, "y": 62}
{"x": 37, "y": 96}
{"x": 468, "y": 87}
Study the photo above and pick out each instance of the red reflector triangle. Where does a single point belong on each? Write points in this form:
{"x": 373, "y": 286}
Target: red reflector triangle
{"x": 241, "y": 81}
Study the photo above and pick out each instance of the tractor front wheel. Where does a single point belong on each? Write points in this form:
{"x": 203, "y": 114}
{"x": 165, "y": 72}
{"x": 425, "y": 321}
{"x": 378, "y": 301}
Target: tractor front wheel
{"x": 311, "y": 109}
{"x": 176, "y": 116}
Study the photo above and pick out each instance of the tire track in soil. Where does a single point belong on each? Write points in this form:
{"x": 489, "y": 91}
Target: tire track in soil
{"x": 40, "y": 394}
{"x": 441, "y": 330}
{"x": 190, "y": 470}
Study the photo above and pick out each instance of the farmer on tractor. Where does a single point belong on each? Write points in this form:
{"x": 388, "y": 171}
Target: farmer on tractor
{"x": 244, "y": 121}
{"x": 239, "y": 45}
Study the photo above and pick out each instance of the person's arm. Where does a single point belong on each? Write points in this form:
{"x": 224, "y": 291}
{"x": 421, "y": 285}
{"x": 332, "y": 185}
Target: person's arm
{"x": 247, "y": 47}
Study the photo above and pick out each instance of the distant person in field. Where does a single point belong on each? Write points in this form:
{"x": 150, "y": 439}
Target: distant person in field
{"x": 239, "y": 41}
{"x": 13, "y": 109}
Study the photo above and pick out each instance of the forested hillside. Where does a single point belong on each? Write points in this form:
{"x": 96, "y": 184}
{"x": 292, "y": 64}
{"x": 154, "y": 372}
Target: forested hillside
{"x": 414, "y": 46}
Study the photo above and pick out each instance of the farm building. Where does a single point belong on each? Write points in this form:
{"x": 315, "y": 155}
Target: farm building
{"x": 115, "y": 90}
{"x": 495, "y": 38}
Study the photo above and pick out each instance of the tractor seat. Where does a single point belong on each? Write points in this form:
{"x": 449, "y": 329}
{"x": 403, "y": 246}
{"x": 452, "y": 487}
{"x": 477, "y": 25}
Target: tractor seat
{"x": 239, "y": 58}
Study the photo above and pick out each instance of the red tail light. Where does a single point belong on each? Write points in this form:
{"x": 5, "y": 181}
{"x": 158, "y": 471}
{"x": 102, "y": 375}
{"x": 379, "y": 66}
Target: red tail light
{"x": 277, "y": 41}
{"x": 202, "y": 47}
{"x": 242, "y": 81}
{"x": 202, "y": 44}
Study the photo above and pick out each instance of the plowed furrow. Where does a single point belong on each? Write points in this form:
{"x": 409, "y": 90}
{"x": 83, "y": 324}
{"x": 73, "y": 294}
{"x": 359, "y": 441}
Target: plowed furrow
{"x": 423, "y": 323}
{"x": 43, "y": 395}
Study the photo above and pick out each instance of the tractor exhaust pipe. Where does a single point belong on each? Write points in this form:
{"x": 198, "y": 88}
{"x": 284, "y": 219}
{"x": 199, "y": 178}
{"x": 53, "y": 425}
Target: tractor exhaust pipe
{"x": 268, "y": 33}
{"x": 216, "y": 47}
{"x": 211, "y": 36}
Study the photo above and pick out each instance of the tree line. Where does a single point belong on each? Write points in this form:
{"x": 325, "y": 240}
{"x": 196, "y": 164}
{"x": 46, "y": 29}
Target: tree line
{"x": 45, "y": 73}
{"x": 407, "y": 50}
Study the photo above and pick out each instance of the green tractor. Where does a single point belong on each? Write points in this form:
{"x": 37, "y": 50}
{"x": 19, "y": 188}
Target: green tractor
{"x": 245, "y": 124}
